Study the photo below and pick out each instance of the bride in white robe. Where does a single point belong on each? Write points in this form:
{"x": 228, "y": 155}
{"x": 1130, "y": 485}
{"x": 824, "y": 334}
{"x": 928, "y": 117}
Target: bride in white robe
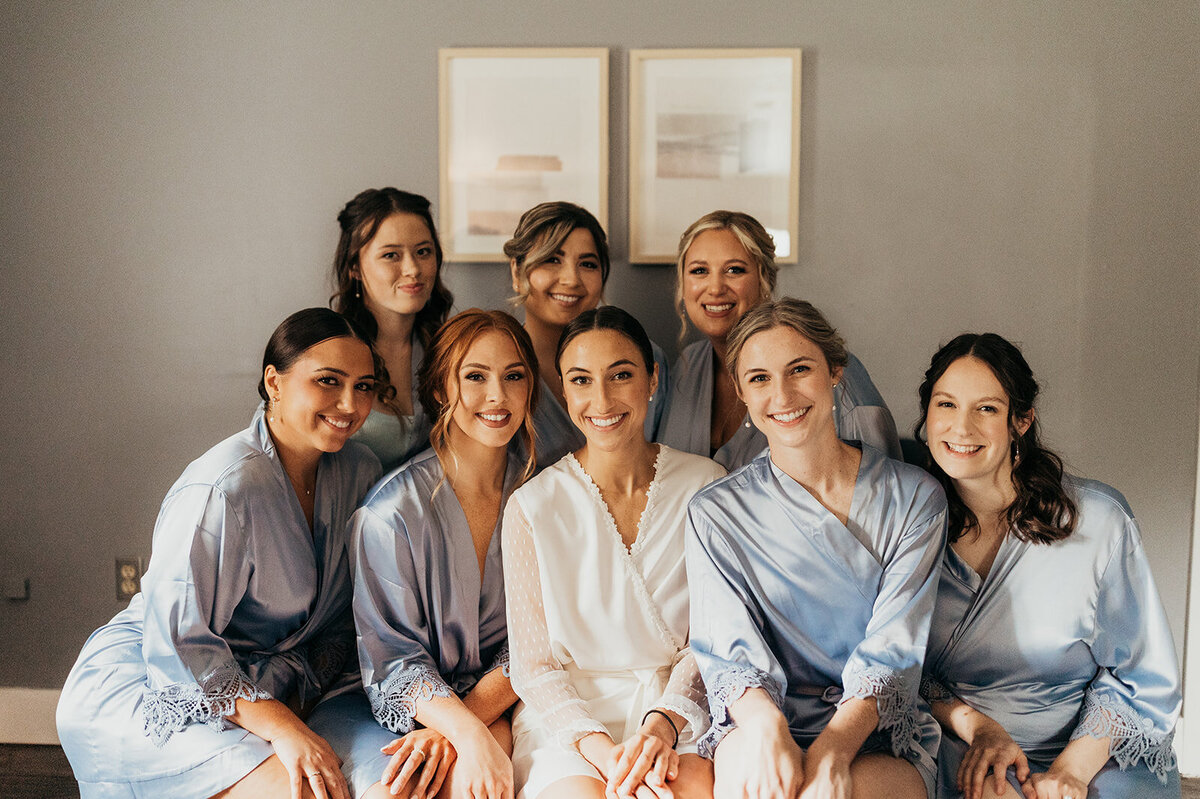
{"x": 597, "y": 589}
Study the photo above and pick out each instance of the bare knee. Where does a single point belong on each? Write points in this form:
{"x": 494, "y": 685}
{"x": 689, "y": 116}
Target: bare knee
{"x": 877, "y": 774}
{"x": 573, "y": 788}
{"x": 695, "y": 780}
{"x": 268, "y": 780}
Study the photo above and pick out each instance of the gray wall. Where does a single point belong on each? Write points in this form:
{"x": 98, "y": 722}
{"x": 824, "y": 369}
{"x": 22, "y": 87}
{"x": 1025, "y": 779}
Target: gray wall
{"x": 171, "y": 173}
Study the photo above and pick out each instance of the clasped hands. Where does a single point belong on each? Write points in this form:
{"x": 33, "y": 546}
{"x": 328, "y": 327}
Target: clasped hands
{"x": 421, "y": 760}
{"x": 639, "y": 767}
{"x": 993, "y": 749}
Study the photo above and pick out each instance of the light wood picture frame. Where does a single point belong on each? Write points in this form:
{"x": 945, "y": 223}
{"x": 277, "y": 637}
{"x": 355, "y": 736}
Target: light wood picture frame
{"x": 709, "y": 130}
{"x": 517, "y": 126}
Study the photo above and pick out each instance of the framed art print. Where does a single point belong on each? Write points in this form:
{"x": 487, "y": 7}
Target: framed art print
{"x": 518, "y": 126}
{"x": 709, "y": 130}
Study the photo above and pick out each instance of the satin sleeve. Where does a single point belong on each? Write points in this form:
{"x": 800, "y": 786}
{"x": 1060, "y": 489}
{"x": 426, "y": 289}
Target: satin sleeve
{"x": 886, "y": 665}
{"x": 199, "y": 574}
{"x": 1134, "y": 699}
{"x": 391, "y": 616}
{"x": 727, "y": 625}
{"x": 537, "y": 675}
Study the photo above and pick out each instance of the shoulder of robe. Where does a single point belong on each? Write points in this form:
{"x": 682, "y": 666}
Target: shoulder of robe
{"x": 543, "y": 486}
{"x": 235, "y": 466}
{"x": 407, "y": 489}
{"x": 721, "y": 493}
{"x": 924, "y": 490}
{"x": 1103, "y": 513}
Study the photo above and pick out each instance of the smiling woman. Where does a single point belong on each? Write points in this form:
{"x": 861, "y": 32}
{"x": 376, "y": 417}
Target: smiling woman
{"x": 1081, "y": 701}
{"x": 725, "y": 267}
{"x": 815, "y": 529}
{"x": 190, "y": 691}
{"x": 600, "y": 654}
{"x": 387, "y": 272}
{"x": 558, "y": 264}
{"x": 429, "y": 583}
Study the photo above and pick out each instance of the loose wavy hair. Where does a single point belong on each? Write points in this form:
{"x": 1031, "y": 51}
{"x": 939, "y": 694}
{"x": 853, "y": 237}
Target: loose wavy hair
{"x": 1042, "y": 512}
{"x": 444, "y": 357}
{"x": 359, "y": 222}
{"x": 753, "y": 237}
{"x": 540, "y": 234}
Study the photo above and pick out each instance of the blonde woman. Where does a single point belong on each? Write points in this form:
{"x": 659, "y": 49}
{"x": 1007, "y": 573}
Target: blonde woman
{"x": 726, "y": 266}
{"x": 819, "y": 562}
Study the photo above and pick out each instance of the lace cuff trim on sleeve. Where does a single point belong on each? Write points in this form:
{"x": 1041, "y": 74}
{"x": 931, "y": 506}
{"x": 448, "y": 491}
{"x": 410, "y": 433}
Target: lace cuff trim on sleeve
{"x": 1132, "y": 737}
{"x": 501, "y": 661}
{"x": 394, "y": 702}
{"x": 170, "y": 709}
{"x": 697, "y": 720}
{"x": 895, "y": 703}
{"x": 725, "y": 689}
{"x": 934, "y": 691}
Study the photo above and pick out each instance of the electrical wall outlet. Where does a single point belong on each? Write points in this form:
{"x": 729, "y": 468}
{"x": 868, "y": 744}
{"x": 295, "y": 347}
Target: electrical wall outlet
{"x": 129, "y": 578}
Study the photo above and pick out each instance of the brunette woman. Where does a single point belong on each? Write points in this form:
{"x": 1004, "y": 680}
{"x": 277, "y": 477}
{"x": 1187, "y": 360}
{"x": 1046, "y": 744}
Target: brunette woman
{"x": 598, "y": 593}
{"x": 243, "y": 615}
{"x": 1051, "y": 664}
{"x": 726, "y": 266}
{"x": 429, "y": 583}
{"x": 388, "y": 276}
{"x": 558, "y": 260}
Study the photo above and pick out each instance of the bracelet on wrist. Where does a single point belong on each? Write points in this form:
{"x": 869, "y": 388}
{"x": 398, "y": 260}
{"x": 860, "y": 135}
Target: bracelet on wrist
{"x": 674, "y": 729}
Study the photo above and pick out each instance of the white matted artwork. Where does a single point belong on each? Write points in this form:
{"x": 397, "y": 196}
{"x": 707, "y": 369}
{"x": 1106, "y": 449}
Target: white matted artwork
{"x": 709, "y": 130}
{"x": 518, "y": 126}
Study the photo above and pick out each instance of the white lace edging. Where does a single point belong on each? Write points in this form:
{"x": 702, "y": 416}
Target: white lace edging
{"x": 1131, "y": 736}
{"x": 394, "y": 702}
{"x": 170, "y": 709}
{"x": 726, "y": 688}
{"x": 501, "y": 661}
{"x": 697, "y": 720}
{"x": 579, "y": 728}
{"x": 894, "y": 702}
{"x": 934, "y": 691}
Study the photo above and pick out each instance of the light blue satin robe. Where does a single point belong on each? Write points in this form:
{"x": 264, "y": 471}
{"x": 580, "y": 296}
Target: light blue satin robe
{"x": 241, "y": 600}
{"x": 427, "y": 624}
{"x": 861, "y": 414}
{"x": 392, "y": 438}
{"x": 557, "y": 434}
{"x": 814, "y": 611}
{"x": 1063, "y": 640}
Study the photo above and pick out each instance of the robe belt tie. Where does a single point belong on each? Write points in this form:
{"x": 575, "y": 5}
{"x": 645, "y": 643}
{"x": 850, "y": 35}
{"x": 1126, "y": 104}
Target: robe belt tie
{"x": 831, "y": 694}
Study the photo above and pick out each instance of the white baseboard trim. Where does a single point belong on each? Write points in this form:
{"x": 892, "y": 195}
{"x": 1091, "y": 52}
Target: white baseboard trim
{"x": 27, "y": 716}
{"x": 1187, "y": 749}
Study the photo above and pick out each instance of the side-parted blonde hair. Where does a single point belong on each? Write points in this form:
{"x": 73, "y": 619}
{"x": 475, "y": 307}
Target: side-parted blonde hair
{"x": 753, "y": 237}
{"x": 444, "y": 357}
{"x": 540, "y": 234}
{"x": 801, "y": 316}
